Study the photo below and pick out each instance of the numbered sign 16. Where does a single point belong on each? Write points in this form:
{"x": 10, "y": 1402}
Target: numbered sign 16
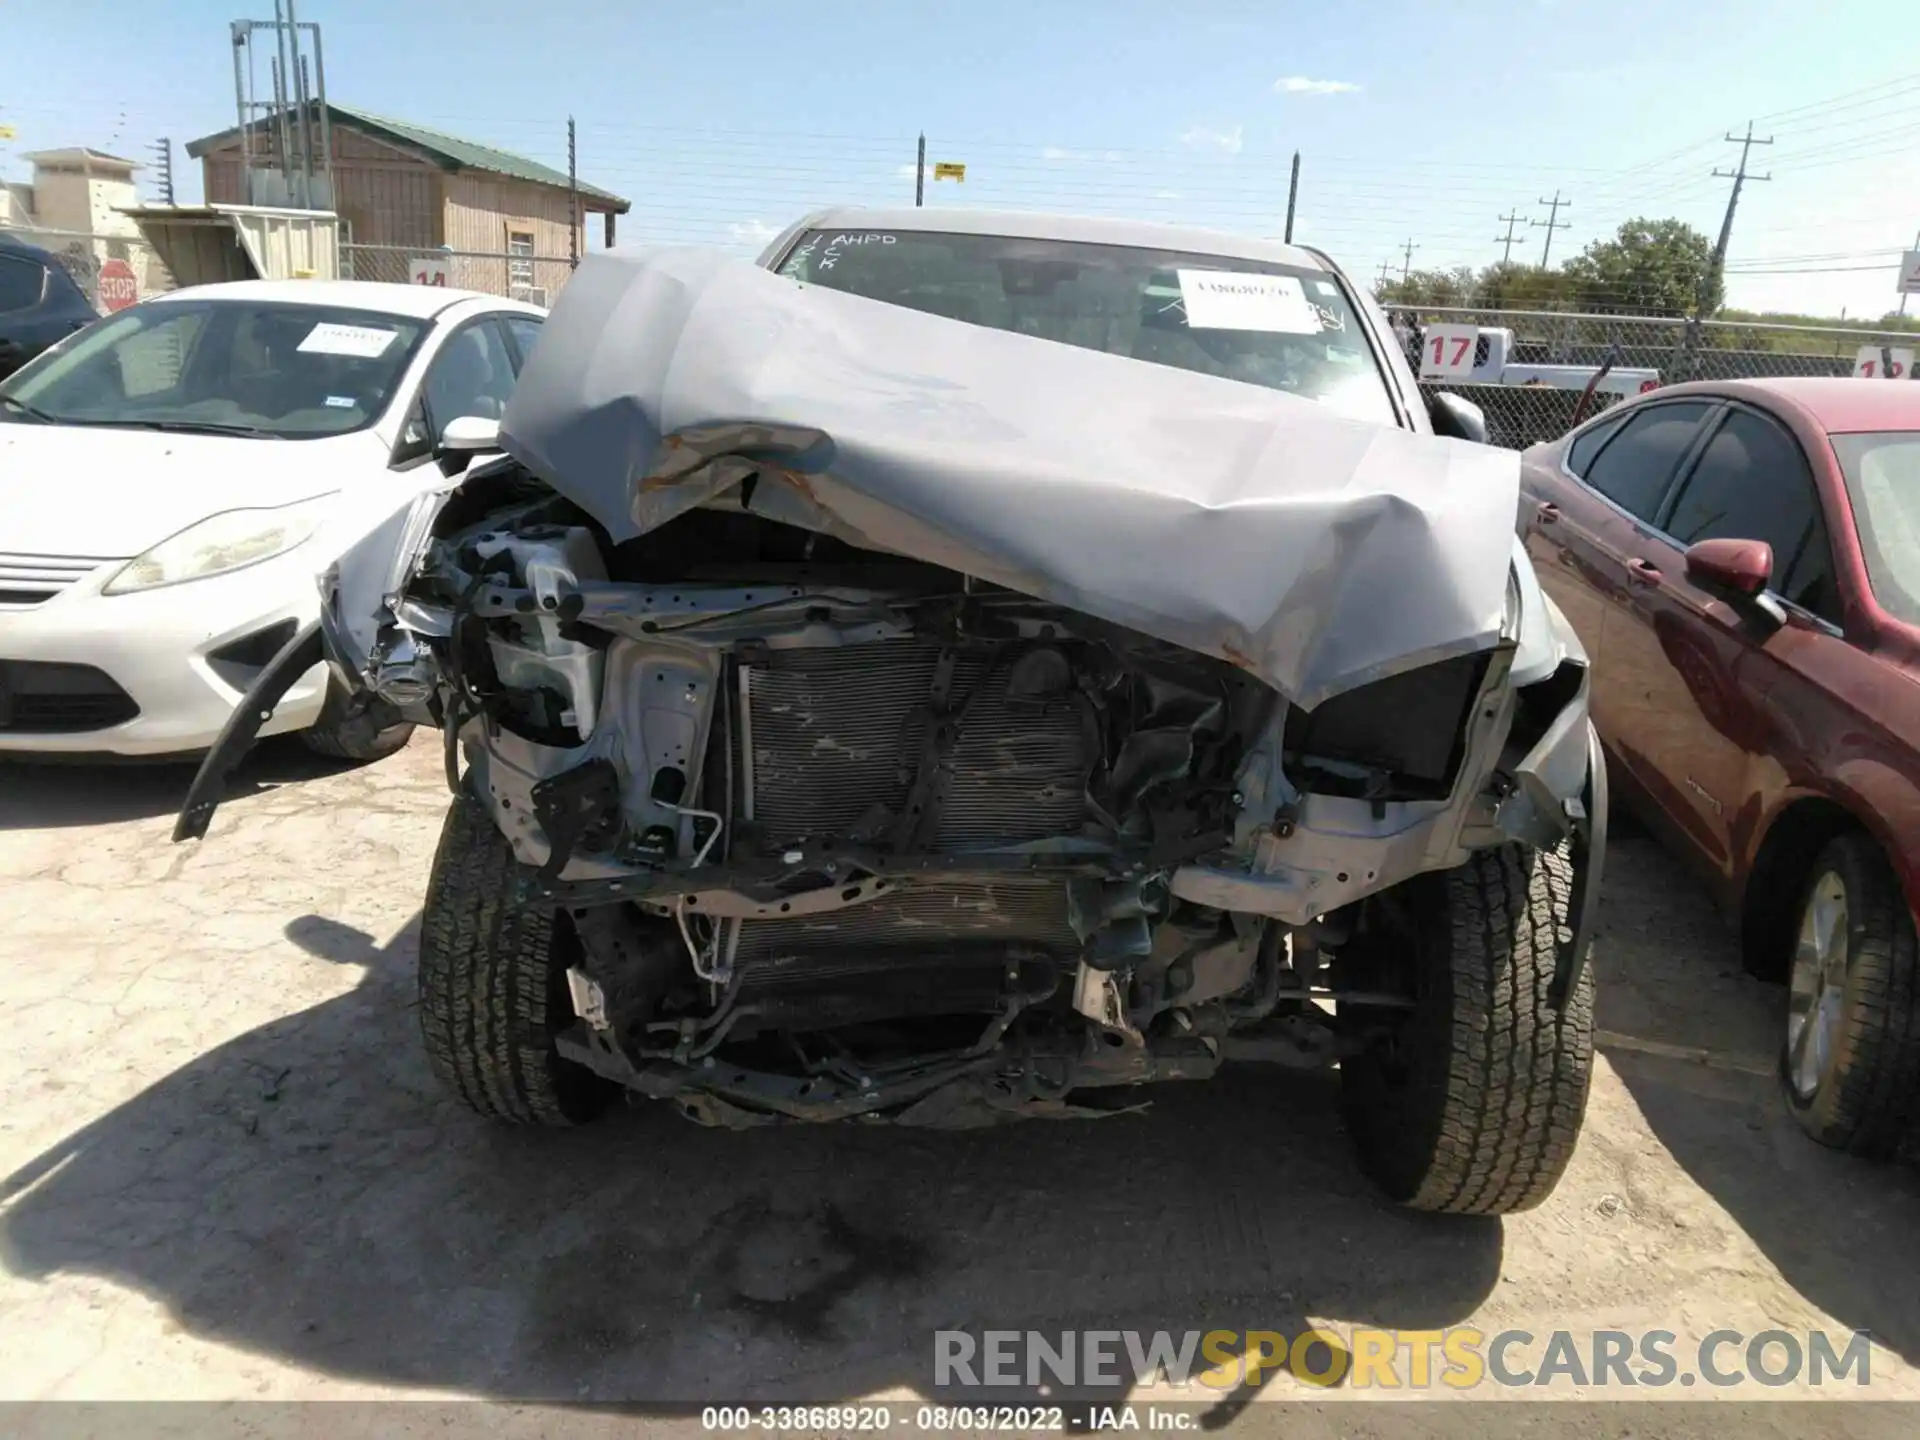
{"x": 1446, "y": 352}
{"x": 1875, "y": 363}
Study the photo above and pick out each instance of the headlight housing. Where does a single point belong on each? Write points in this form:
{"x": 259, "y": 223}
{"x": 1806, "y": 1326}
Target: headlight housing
{"x": 221, "y": 543}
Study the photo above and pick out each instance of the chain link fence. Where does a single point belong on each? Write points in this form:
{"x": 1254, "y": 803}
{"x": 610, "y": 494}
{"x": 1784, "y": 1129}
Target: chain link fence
{"x": 1530, "y": 366}
{"x": 518, "y": 275}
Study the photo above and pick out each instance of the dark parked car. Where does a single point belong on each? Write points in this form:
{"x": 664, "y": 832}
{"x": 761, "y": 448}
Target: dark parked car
{"x": 39, "y": 303}
{"x": 1742, "y": 562}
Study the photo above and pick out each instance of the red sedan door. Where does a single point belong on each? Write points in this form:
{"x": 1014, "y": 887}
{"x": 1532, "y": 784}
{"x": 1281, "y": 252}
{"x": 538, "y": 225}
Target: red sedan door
{"x": 1585, "y": 523}
{"x": 1703, "y": 679}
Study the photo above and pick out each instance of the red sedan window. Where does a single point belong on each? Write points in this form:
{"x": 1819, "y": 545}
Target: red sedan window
{"x": 1633, "y": 470}
{"x": 1752, "y": 483}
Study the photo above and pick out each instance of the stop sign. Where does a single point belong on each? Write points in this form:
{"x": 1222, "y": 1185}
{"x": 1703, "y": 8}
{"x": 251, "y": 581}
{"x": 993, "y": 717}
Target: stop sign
{"x": 118, "y": 288}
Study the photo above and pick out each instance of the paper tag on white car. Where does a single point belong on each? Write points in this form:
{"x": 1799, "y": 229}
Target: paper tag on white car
{"x": 364, "y": 341}
{"x": 1227, "y": 300}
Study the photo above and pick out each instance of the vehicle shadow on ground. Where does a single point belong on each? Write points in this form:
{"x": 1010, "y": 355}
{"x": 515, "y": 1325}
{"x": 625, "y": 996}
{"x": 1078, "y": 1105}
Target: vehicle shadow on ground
{"x": 1837, "y": 1229}
{"x": 305, "y": 1191}
{"x": 45, "y": 795}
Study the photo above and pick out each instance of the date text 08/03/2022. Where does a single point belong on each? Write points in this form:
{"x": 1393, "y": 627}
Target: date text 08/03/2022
{"x": 947, "y": 1419}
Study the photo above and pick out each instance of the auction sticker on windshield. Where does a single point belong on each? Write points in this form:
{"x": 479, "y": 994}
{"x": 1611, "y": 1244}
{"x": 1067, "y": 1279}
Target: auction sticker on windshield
{"x": 1226, "y": 300}
{"x": 364, "y": 341}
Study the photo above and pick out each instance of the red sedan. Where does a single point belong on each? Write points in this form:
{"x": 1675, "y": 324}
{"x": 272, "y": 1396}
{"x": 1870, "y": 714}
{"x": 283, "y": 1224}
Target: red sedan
{"x": 1742, "y": 561}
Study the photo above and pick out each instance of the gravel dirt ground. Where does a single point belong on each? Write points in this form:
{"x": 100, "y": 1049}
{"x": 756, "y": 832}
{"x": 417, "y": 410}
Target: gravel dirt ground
{"x": 228, "y": 1174}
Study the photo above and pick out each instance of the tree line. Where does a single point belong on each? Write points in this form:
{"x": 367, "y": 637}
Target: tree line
{"x": 1648, "y": 267}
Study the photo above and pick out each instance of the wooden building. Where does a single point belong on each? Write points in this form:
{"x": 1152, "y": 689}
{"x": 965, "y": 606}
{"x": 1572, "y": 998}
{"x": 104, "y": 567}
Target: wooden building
{"x": 411, "y": 190}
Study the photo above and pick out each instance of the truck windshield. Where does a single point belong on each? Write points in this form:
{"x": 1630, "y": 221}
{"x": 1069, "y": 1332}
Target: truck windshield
{"x": 1285, "y": 327}
{"x": 245, "y": 367}
{"x": 1883, "y": 481}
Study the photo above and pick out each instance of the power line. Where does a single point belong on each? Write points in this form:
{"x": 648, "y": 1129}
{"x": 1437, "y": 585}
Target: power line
{"x": 1716, "y": 269}
{"x": 1550, "y": 225}
{"x": 1506, "y": 254}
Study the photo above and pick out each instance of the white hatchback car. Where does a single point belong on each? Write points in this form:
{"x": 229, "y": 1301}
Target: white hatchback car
{"x": 173, "y": 479}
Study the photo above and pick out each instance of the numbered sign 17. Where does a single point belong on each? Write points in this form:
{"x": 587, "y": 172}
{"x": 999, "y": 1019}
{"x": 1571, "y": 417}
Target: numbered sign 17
{"x": 1446, "y": 351}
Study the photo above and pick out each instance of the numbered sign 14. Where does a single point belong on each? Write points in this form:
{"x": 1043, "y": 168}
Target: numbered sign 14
{"x": 428, "y": 270}
{"x": 1446, "y": 351}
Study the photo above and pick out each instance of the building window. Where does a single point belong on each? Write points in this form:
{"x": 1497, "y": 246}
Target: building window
{"x": 520, "y": 274}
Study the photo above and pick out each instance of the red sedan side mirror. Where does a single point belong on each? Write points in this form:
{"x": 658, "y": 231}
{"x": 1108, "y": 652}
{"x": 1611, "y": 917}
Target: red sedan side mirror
{"x": 1733, "y": 569}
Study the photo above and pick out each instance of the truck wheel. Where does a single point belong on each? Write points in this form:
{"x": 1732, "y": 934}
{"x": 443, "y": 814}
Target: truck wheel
{"x": 1851, "y": 1062}
{"x": 1472, "y": 1102}
{"x": 344, "y": 734}
{"x": 493, "y": 984}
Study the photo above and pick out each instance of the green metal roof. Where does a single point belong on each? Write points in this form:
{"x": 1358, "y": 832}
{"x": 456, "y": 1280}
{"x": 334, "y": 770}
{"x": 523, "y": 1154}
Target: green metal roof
{"x": 449, "y": 152}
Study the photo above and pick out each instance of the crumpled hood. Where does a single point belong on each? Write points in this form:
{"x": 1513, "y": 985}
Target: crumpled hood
{"x": 80, "y": 490}
{"x": 1316, "y": 552}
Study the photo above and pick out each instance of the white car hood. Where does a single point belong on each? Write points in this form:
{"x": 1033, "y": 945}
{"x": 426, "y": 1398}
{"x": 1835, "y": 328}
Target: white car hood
{"x": 78, "y": 490}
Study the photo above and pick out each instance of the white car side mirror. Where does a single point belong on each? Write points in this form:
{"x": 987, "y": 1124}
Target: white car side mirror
{"x": 470, "y": 435}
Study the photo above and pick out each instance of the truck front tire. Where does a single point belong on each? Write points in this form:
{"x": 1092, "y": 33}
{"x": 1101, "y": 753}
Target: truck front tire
{"x": 1473, "y": 1101}
{"x": 493, "y": 984}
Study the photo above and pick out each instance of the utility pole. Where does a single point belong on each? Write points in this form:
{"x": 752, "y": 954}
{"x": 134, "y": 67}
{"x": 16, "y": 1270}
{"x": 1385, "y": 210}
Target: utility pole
{"x": 1903, "y": 294}
{"x": 1507, "y": 240}
{"x": 573, "y": 200}
{"x": 920, "y": 174}
{"x": 163, "y": 169}
{"x": 1550, "y": 224}
{"x": 1293, "y": 194}
{"x": 1380, "y": 281}
{"x": 1406, "y": 260}
{"x": 1711, "y": 282}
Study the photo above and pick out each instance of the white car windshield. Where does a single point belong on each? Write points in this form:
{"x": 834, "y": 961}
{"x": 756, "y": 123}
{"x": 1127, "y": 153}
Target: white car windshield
{"x": 1883, "y": 480}
{"x": 1286, "y": 327}
{"x": 244, "y": 367}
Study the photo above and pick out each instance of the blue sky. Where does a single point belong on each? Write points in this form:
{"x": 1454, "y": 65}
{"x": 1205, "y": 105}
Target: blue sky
{"x": 1425, "y": 121}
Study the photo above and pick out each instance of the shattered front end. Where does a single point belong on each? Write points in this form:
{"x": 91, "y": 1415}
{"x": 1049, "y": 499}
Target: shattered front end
{"x": 850, "y": 770}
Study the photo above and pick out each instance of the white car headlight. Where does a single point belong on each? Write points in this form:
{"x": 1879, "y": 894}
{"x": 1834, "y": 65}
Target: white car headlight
{"x": 220, "y": 543}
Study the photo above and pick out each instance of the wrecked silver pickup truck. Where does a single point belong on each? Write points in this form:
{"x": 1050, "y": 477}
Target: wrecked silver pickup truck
{"x": 965, "y": 667}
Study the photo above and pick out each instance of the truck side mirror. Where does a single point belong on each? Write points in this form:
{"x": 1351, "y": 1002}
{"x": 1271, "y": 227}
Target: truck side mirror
{"x": 1457, "y": 418}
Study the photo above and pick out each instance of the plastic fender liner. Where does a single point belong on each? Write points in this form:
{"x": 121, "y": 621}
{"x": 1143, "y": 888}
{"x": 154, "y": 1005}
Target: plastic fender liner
{"x": 296, "y": 657}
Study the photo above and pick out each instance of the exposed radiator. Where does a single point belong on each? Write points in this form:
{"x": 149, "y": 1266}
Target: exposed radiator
{"x": 834, "y": 734}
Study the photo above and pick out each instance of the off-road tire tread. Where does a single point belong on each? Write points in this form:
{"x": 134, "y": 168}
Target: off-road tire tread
{"x": 335, "y": 746}
{"x": 337, "y": 739}
{"x": 488, "y": 987}
{"x": 1869, "y": 1111}
{"x": 1517, "y": 1069}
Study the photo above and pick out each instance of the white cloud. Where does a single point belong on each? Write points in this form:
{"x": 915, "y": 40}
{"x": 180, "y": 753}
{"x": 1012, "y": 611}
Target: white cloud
{"x": 751, "y": 232}
{"x": 1166, "y": 194}
{"x": 1201, "y": 138}
{"x": 1056, "y": 152}
{"x": 906, "y": 172}
{"x": 1301, "y": 85}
